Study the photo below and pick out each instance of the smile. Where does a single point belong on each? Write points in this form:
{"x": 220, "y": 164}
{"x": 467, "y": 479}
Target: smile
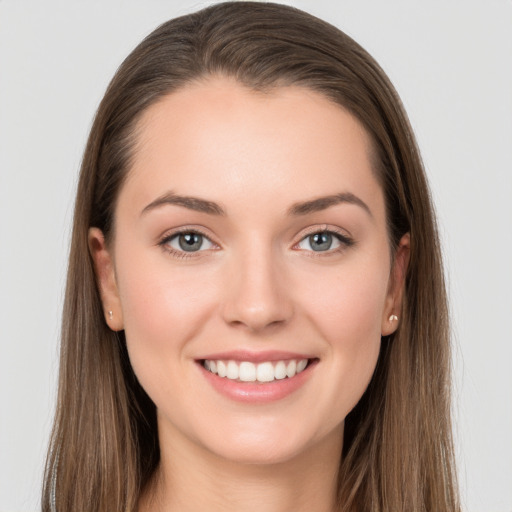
{"x": 247, "y": 371}
{"x": 247, "y": 377}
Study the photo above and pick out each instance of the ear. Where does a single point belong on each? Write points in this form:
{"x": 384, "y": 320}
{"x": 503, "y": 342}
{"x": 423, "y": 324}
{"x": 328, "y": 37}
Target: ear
{"x": 393, "y": 305}
{"x": 106, "y": 279}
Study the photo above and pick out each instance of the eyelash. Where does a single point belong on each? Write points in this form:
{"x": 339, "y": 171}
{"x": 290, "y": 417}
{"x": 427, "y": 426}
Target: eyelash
{"x": 345, "y": 242}
{"x": 164, "y": 242}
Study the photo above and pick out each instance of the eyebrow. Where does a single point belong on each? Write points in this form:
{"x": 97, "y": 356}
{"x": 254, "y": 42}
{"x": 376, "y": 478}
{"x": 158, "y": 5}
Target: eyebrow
{"x": 302, "y": 208}
{"x": 192, "y": 203}
{"x": 322, "y": 203}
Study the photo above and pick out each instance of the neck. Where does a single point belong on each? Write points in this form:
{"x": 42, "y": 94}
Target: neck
{"x": 190, "y": 478}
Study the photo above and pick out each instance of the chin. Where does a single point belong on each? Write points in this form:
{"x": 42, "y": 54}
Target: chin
{"x": 267, "y": 446}
{"x": 258, "y": 455}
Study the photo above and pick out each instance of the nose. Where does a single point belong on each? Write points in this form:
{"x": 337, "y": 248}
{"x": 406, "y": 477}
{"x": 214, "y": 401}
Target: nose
{"x": 257, "y": 297}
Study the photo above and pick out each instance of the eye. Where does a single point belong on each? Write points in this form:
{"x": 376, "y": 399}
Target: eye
{"x": 323, "y": 241}
{"x": 189, "y": 241}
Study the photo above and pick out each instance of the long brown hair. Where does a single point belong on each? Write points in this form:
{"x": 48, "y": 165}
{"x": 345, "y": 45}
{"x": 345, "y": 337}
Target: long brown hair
{"x": 397, "y": 448}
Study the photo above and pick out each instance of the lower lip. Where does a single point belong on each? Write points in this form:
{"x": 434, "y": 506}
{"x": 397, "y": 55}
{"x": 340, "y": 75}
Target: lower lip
{"x": 258, "y": 392}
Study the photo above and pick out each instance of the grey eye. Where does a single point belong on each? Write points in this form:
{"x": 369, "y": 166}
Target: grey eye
{"x": 318, "y": 242}
{"x": 190, "y": 242}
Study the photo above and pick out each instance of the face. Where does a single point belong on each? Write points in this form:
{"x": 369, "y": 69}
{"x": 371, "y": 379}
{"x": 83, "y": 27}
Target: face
{"x": 250, "y": 268}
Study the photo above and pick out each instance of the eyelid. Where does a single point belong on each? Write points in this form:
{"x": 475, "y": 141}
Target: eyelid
{"x": 323, "y": 228}
{"x": 346, "y": 240}
{"x": 171, "y": 233}
{"x": 342, "y": 235}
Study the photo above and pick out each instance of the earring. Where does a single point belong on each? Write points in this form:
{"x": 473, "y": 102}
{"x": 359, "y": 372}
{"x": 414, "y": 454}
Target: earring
{"x": 110, "y": 315}
{"x": 393, "y": 318}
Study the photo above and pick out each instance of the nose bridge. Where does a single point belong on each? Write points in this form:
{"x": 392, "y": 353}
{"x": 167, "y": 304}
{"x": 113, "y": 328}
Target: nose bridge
{"x": 257, "y": 295}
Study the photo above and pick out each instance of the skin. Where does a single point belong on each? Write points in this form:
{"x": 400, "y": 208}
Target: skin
{"x": 256, "y": 284}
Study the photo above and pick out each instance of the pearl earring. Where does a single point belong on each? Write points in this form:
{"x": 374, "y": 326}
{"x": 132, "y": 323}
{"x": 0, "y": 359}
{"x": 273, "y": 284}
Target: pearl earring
{"x": 110, "y": 315}
{"x": 393, "y": 318}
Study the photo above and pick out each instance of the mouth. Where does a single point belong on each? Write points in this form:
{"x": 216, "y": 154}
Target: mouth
{"x": 262, "y": 372}
{"x": 261, "y": 378}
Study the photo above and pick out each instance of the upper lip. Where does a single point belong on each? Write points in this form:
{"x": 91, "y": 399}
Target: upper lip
{"x": 255, "y": 357}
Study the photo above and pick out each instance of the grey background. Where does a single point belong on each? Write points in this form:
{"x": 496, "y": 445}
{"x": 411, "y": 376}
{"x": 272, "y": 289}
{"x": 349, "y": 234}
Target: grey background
{"x": 452, "y": 64}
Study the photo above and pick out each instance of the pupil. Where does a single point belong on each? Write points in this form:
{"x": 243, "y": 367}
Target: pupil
{"x": 190, "y": 241}
{"x": 320, "y": 241}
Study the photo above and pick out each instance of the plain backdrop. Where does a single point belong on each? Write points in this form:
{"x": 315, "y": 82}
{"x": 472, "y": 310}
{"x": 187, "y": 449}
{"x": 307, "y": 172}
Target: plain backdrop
{"x": 452, "y": 65}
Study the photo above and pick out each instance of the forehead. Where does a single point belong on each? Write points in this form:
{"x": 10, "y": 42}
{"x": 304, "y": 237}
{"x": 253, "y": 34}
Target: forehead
{"x": 217, "y": 137}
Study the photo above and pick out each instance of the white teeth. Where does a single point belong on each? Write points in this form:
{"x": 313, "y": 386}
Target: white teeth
{"x": 246, "y": 371}
{"x": 221, "y": 369}
{"x": 232, "y": 371}
{"x": 301, "y": 365}
{"x": 280, "y": 370}
{"x": 265, "y": 372}
{"x": 291, "y": 369}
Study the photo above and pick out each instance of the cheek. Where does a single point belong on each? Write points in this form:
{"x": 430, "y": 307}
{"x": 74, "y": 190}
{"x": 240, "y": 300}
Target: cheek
{"x": 348, "y": 304}
{"x": 347, "y": 314}
{"x": 163, "y": 309}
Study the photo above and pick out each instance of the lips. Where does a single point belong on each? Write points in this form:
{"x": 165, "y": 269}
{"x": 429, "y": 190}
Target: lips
{"x": 257, "y": 377}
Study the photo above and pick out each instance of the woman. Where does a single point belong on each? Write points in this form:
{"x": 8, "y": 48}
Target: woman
{"x": 255, "y": 313}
